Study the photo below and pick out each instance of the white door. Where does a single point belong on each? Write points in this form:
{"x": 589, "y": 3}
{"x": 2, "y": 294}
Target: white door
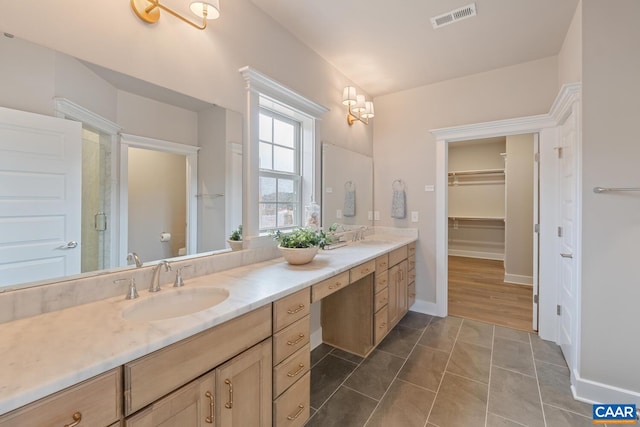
{"x": 567, "y": 234}
{"x": 40, "y": 196}
{"x": 536, "y": 227}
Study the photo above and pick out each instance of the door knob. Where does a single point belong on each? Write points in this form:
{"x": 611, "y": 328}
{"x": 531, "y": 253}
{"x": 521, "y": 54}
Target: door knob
{"x": 566, "y": 255}
{"x": 70, "y": 245}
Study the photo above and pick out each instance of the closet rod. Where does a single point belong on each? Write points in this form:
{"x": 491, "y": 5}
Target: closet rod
{"x": 606, "y": 190}
{"x": 478, "y": 172}
{"x": 475, "y": 218}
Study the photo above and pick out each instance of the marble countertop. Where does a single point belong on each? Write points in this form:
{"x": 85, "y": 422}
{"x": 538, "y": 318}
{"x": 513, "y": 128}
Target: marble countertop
{"x": 47, "y": 353}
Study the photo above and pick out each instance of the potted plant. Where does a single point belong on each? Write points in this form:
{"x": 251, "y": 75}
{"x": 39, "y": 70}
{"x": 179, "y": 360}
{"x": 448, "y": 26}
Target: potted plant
{"x": 300, "y": 245}
{"x": 235, "y": 239}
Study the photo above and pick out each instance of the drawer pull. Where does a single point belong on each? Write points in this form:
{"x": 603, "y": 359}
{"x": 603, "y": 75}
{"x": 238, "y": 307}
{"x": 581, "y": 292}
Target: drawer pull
{"x": 382, "y": 325}
{"x": 293, "y": 374}
{"x": 297, "y": 414}
{"x": 338, "y": 284}
{"x": 300, "y": 338}
{"x": 209, "y": 419}
{"x": 229, "y": 404}
{"x": 365, "y": 270}
{"x": 77, "y": 417}
{"x": 296, "y": 310}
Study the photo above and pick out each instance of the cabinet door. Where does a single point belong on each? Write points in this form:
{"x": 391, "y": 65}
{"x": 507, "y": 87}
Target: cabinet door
{"x": 393, "y": 295}
{"x": 243, "y": 389}
{"x": 191, "y": 405}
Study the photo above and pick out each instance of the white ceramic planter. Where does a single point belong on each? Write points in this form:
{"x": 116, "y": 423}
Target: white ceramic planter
{"x": 235, "y": 245}
{"x": 298, "y": 256}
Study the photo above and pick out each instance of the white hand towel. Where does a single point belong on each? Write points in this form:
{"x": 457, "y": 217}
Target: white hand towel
{"x": 399, "y": 200}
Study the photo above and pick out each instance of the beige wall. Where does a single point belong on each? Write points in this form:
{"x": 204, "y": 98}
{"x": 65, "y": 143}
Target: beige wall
{"x": 518, "y": 260}
{"x": 404, "y": 148}
{"x": 157, "y": 203}
{"x": 570, "y": 56}
{"x": 203, "y": 64}
{"x": 610, "y": 347}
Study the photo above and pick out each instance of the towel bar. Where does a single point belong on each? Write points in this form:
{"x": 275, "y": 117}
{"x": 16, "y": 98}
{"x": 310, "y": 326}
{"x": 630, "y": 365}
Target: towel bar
{"x": 605, "y": 190}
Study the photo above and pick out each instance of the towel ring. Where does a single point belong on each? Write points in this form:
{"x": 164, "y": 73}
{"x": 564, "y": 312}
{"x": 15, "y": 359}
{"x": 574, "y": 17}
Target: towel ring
{"x": 398, "y": 185}
{"x": 349, "y": 186}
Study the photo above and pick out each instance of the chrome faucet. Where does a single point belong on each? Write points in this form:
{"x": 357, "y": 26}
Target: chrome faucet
{"x": 134, "y": 257}
{"x": 155, "y": 280}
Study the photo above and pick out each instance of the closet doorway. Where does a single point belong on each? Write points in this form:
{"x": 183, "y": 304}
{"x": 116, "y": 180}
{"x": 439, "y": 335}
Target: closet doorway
{"x": 492, "y": 243}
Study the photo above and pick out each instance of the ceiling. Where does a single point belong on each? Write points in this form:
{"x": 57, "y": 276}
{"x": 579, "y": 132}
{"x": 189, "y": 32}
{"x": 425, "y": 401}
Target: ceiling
{"x": 386, "y": 46}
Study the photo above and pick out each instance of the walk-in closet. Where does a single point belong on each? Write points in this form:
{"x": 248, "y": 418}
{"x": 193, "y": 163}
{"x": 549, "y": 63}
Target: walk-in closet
{"x": 491, "y": 209}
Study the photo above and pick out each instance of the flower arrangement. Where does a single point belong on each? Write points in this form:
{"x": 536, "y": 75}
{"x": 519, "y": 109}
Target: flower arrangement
{"x": 302, "y": 238}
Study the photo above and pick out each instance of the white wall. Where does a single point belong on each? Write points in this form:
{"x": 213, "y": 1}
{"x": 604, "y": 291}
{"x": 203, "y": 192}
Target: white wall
{"x": 570, "y": 56}
{"x": 404, "y": 147}
{"x": 610, "y": 348}
{"x": 518, "y": 260}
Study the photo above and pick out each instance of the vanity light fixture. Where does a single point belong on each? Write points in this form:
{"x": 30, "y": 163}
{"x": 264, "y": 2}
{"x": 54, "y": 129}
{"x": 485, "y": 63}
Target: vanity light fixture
{"x": 358, "y": 107}
{"x": 149, "y": 11}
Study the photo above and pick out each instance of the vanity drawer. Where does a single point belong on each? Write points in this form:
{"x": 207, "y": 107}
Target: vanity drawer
{"x": 362, "y": 270}
{"x": 381, "y": 324}
{"x": 159, "y": 373}
{"x": 381, "y": 299}
{"x": 382, "y": 262}
{"x": 411, "y": 294}
{"x": 290, "y": 339}
{"x": 411, "y": 248}
{"x": 291, "y": 370}
{"x": 382, "y": 280}
{"x": 411, "y": 262}
{"x": 397, "y": 255}
{"x": 329, "y": 286}
{"x": 97, "y": 400}
{"x": 292, "y": 408}
{"x": 290, "y": 308}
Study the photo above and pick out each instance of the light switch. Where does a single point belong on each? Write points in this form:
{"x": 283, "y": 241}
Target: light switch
{"x": 376, "y": 215}
{"x": 339, "y": 214}
{"x": 370, "y": 215}
{"x": 329, "y": 189}
{"x": 429, "y": 187}
{"x": 414, "y": 216}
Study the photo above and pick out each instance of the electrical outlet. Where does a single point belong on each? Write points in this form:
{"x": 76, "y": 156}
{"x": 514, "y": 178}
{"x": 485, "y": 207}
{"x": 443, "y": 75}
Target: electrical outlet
{"x": 376, "y": 215}
{"x": 429, "y": 188}
{"x": 414, "y": 216}
{"x": 370, "y": 215}
{"x": 339, "y": 214}
{"x": 329, "y": 190}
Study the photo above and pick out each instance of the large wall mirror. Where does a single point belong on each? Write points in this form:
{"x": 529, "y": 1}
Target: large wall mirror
{"x": 95, "y": 164}
{"x": 347, "y": 187}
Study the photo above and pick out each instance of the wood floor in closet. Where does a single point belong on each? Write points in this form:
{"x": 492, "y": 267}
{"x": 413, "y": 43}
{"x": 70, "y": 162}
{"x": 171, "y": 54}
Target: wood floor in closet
{"x": 477, "y": 291}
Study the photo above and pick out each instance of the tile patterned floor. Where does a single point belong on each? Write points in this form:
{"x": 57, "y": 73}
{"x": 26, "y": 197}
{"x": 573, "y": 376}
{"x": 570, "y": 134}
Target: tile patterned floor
{"x": 445, "y": 372}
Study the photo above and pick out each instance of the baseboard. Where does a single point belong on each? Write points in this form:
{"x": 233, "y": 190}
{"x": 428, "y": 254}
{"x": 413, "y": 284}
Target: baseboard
{"x": 517, "y": 279}
{"x": 425, "y": 307}
{"x": 476, "y": 254}
{"x": 316, "y": 338}
{"x": 594, "y": 392}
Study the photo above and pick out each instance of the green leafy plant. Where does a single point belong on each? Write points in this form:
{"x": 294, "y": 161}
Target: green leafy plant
{"x": 302, "y": 238}
{"x": 236, "y": 235}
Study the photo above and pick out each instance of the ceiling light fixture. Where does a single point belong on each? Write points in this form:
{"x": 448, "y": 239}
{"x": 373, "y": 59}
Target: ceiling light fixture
{"x": 358, "y": 107}
{"x": 149, "y": 11}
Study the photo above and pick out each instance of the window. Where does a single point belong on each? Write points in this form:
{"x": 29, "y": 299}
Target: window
{"x": 280, "y": 171}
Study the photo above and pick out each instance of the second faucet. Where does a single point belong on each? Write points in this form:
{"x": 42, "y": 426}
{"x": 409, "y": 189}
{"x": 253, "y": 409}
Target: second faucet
{"x": 155, "y": 279}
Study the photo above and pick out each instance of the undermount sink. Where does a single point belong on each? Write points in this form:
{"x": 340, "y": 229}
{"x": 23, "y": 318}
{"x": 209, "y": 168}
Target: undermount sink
{"x": 174, "y": 303}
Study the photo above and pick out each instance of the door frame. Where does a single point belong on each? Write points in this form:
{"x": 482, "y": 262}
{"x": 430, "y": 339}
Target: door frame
{"x": 191, "y": 154}
{"x": 546, "y": 126}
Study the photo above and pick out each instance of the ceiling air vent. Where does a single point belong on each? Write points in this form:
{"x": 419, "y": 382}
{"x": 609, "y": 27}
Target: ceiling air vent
{"x": 454, "y": 16}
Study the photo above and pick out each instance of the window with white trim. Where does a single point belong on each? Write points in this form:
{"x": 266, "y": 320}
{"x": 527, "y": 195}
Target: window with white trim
{"x": 280, "y": 194}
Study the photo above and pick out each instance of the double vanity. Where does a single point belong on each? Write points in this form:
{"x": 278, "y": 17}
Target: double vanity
{"x": 234, "y": 349}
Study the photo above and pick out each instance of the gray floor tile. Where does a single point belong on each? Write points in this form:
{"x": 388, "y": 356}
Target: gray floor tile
{"x": 555, "y": 389}
{"x": 319, "y": 352}
{"x": 404, "y": 405}
{"x": 460, "y": 402}
{"x": 326, "y": 377}
{"x": 515, "y": 396}
{"x": 441, "y": 334}
{"x": 514, "y": 355}
{"x": 375, "y": 374}
{"x": 425, "y": 367}
{"x": 547, "y": 351}
{"x": 415, "y": 320}
{"x": 477, "y": 333}
{"x": 495, "y": 421}
{"x": 400, "y": 341}
{"x": 560, "y": 418}
{"x": 346, "y": 355}
{"x": 512, "y": 334}
{"x": 346, "y": 408}
{"x": 471, "y": 361}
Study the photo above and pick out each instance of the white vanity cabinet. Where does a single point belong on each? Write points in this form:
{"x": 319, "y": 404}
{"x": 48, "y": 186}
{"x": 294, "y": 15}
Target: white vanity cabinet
{"x": 95, "y": 402}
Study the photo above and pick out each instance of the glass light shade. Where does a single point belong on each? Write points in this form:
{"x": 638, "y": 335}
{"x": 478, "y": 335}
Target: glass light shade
{"x": 349, "y": 95}
{"x": 212, "y": 6}
{"x": 368, "y": 110}
{"x": 359, "y": 107}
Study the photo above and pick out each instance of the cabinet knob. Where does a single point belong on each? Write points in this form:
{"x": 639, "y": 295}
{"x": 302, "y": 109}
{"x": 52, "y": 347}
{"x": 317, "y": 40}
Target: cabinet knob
{"x": 77, "y": 417}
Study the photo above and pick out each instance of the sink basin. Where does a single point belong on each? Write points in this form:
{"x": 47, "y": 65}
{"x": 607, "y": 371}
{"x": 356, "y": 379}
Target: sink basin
{"x": 175, "y": 303}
